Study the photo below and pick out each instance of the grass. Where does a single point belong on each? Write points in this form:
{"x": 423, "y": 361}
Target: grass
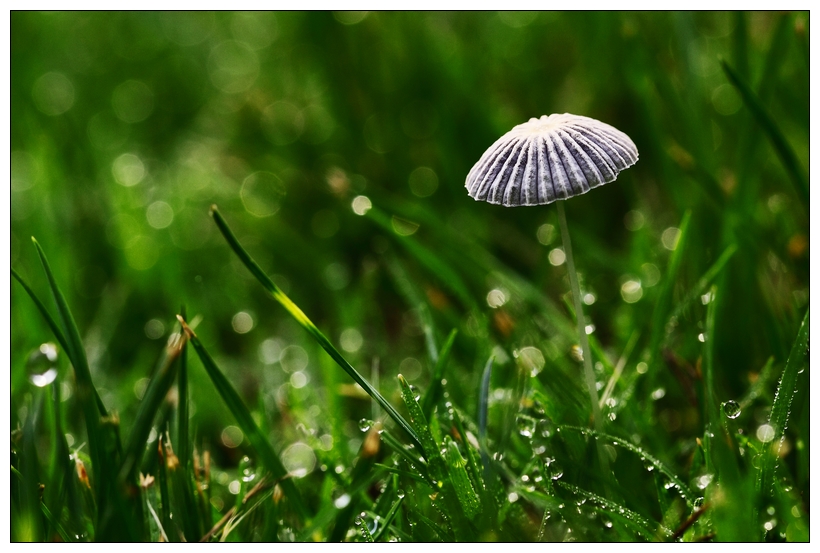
{"x": 349, "y": 348}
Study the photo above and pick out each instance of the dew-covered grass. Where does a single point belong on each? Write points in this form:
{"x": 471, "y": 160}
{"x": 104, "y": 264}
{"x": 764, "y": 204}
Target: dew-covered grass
{"x": 260, "y": 305}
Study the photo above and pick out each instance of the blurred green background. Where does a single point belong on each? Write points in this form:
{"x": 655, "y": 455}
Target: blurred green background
{"x": 126, "y": 127}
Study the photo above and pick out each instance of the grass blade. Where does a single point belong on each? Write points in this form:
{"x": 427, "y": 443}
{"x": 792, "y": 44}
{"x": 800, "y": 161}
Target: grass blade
{"x": 55, "y": 329}
{"x": 308, "y": 325}
{"x": 683, "y": 489}
{"x": 388, "y": 519}
{"x": 164, "y": 495}
{"x": 52, "y": 324}
{"x": 115, "y": 511}
{"x": 483, "y": 407}
{"x": 157, "y": 389}
{"x": 434, "y": 392}
{"x": 243, "y": 417}
{"x": 631, "y": 519}
{"x": 781, "y": 407}
{"x": 428, "y": 444}
{"x": 183, "y": 439}
{"x": 461, "y": 481}
{"x": 783, "y": 149}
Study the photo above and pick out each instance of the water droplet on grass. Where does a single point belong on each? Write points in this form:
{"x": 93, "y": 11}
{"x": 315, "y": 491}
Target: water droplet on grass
{"x": 731, "y": 409}
{"x": 526, "y": 425}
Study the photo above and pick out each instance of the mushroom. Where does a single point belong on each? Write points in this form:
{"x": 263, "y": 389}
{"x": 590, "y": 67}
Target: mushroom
{"x": 554, "y": 158}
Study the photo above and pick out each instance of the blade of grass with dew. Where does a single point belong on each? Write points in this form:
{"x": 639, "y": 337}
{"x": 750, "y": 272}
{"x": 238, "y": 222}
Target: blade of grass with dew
{"x": 55, "y": 328}
{"x": 433, "y": 393}
{"x": 781, "y": 407}
{"x": 710, "y": 399}
{"x": 456, "y": 466}
{"x": 633, "y": 520}
{"x": 104, "y": 443}
{"x": 438, "y": 469}
{"x": 683, "y": 489}
{"x": 308, "y": 325}
{"x": 483, "y": 408}
{"x": 399, "y": 472}
{"x": 433, "y": 529}
{"x": 733, "y": 505}
{"x": 782, "y": 147}
{"x": 155, "y": 393}
{"x": 661, "y": 311}
{"x": 364, "y": 531}
{"x": 361, "y": 479}
{"x": 406, "y": 452}
{"x": 472, "y": 463}
{"x": 246, "y": 423}
{"x": 431, "y": 450}
{"x": 388, "y": 519}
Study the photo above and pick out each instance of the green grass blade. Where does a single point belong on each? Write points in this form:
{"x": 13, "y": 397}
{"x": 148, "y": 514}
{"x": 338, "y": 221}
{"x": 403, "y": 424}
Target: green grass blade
{"x": 781, "y": 407}
{"x": 434, "y": 392}
{"x": 52, "y": 520}
{"x": 71, "y": 334}
{"x": 243, "y": 417}
{"x": 631, "y": 519}
{"x": 409, "y": 455}
{"x": 364, "y": 531}
{"x": 782, "y": 147}
{"x": 158, "y": 387}
{"x": 388, "y": 519}
{"x": 483, "y": 408}
{"x": 419, "y": 422}
{"x": 456, "y": 466}
{"x": 308, "y": 325}
{"x": 183, "y": 438}
{"x": 55, "y": 329}
{"x": 61, "y": 473}
{"x": 29, "y": 525}
{"x": 114, "y": 510}
{"x": 659, "y": 466}
{"x": 182, "y": 476}
{"x": 164, "y": 494}
{"x": 710, "y": 399}
{"x": 472, "y": 462}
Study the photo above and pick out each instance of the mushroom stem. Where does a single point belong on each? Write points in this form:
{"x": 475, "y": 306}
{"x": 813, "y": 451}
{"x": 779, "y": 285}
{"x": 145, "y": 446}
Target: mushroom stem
{"x": 589, "y": 376}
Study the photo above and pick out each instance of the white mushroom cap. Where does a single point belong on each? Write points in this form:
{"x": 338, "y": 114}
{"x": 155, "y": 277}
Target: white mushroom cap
{"x": 548, "y": 159}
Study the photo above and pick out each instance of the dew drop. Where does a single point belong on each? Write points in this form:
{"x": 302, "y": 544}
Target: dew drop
{"x": 526, "y": 425}
{"x": 731, "y": 409}
{"x": 365, "y": 424}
